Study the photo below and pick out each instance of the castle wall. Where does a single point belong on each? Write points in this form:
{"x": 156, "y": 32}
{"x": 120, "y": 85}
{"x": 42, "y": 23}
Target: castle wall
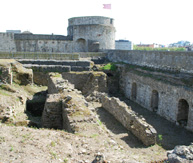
{"x": 7, "y": 42}
{"x": 168, "y": 95}
{"x": 166, "y": 60}
{"x": 44, "y": 46}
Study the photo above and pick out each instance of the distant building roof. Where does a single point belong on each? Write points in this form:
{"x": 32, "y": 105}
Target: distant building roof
{"x": 122, "y": 41}
{"x": 26, "y": 32}
{"x": 13, "y": 31}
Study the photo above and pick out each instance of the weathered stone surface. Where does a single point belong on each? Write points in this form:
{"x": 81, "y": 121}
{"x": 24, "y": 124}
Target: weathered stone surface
{"x": 181, "y": 154}
{"x": 52, "y": 114}
{"x": 57, "y": 85}
{"x": 95, "y": 82}
{"x": 87, "y": 82}
{"x": 48, "y": 68}
{"x": 157, "y": 95}
{"x": 138, "y": 126}
{"x": 12, "y": 70}
{"x": 165, "y": 60}
{"x": 5, "y": 75}
{"x": 40, "y": 78}
{"x": 65, "y": 108}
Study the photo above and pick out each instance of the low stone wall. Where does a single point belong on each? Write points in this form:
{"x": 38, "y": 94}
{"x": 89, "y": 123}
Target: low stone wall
{"x": 39, "y": 55}
{"x": 57, "y": 66}
{"x": 48, "y": 68}
{"x": 128, "y": 118}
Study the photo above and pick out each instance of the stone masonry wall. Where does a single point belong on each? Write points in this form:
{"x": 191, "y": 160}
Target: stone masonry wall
{"x": 171, "y": 61}
{"x": 84, "y": 81}
{"x": 56, "y": 46}
{"x": 7, "y": 42}
{"x": 65, "y": 107}
{"x": 138, "y": 126}
{"x": 168, "y": 95}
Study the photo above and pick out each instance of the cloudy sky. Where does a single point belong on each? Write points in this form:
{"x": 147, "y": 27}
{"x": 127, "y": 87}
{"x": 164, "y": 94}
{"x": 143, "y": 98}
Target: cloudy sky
{"x": 145, "y": 21}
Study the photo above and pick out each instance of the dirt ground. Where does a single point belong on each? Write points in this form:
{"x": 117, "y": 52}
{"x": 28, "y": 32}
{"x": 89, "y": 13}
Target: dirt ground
{"x": 105, "y": 135}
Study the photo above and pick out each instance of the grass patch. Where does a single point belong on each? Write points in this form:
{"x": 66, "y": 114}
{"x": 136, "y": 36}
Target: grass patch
{"x": 94, "y": 135}
{"x": 109, "y": 66}
{"x": 32, "y": 89}
{"x": 4, "y": 93}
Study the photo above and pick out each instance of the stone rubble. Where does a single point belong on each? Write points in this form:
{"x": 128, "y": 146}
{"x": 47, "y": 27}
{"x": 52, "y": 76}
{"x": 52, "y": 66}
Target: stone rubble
{"x": 181, "y": 154}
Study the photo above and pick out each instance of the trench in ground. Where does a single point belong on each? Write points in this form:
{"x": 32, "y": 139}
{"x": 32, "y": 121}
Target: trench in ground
{"x": 35, "y": 107}
{"x": 169, "y": 135}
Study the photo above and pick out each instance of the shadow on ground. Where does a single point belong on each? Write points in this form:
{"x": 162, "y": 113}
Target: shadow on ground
{"x": 169, "y": 135}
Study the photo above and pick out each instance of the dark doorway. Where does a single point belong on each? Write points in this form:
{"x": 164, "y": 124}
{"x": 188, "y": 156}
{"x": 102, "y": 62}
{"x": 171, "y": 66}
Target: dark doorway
{"x": 183, "y": 109}
{"x": 81, "y": 45}
{"x": 134, "y": 91}
{"x": 154, "y": 100}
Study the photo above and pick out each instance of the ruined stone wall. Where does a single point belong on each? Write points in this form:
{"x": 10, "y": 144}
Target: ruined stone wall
{"x": 65, "y": 107}
{"x": 167, "y": 60}
{"x": 87, "y": 81}
{"x": 128, "y": 118}
{"x": 7, "y": 42}
{"x": 166, "y": 103}
{"x": 13, "y": 71}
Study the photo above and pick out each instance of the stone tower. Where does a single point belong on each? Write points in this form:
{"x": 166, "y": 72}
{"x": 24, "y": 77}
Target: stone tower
{"x": 92, "y": 33}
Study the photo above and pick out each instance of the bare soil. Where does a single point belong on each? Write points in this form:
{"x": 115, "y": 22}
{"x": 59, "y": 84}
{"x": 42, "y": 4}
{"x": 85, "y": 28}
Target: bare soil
{"x": 106, "y": 135}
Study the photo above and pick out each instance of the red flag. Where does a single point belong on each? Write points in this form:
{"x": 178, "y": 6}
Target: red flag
{"x": 106, "y": 6}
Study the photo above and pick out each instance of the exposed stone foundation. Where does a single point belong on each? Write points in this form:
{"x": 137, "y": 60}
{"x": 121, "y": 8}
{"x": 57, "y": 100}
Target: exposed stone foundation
{"x": 65, "y": 108}
{"x": 128, "y": 118}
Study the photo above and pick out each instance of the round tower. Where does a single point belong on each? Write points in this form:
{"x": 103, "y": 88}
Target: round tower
{"x": 92, "y": 33}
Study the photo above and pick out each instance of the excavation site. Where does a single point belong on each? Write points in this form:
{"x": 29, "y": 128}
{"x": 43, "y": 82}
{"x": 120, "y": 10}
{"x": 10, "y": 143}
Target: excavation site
{"x": 86, "y": 98}
{"x": 56, "y": 115}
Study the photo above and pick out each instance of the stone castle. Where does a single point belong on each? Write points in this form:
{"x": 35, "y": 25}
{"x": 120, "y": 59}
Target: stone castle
{"x": 85, "y": 34}
{"x": 160, "y": 81}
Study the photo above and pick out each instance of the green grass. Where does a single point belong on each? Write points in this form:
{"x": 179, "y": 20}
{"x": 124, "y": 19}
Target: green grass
{"x": 110, "y": 66}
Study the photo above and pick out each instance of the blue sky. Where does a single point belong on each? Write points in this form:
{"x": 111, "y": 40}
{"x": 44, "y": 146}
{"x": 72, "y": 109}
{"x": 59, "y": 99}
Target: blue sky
{"x": 145, "y": 21}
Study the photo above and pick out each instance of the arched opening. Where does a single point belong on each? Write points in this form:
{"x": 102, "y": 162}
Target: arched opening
{"x": 154, "y": 100}
{"x": 81, "y": 45}
{"x": 134, "y": 91}
{"x": 183, "y": 109}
